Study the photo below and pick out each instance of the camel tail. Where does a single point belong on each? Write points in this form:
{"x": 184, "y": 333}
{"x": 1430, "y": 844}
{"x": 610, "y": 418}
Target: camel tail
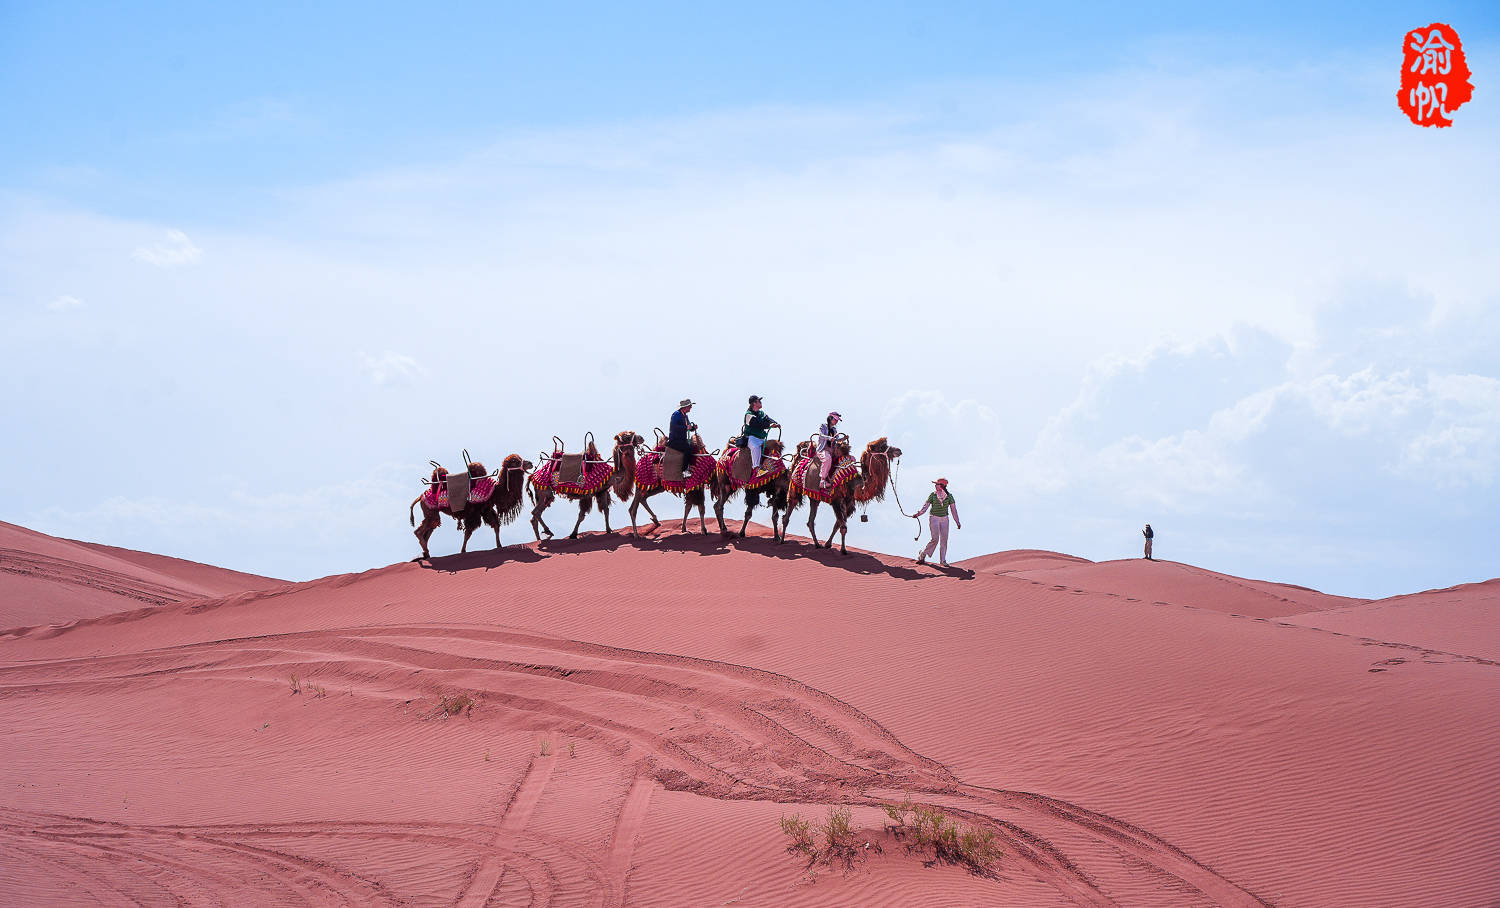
{"x": 411, "y": 511}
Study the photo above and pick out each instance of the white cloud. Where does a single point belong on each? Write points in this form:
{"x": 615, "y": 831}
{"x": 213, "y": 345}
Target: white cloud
{"x": 177, "y": 249}
{"x": 1122, "y": 308}
{"x": 64, "y": 303}
{"x": 391, "y": 367}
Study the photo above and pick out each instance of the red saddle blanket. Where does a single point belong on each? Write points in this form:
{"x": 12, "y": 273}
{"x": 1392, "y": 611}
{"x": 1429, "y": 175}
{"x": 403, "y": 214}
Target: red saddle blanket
{"x": 836, "y": 477}
{"x": 480, "y": 491}
{"x": 770, "y": 468}
{"x": 648, "y": 473}
{"x": 595, "y": 475}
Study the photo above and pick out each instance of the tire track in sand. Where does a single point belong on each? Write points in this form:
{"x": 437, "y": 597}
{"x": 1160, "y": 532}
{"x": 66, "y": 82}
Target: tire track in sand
{"x": 516, "y": 815}
{"x": 711, "y": 728}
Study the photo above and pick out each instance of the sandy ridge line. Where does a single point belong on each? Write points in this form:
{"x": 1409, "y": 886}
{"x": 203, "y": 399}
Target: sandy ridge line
{"x": 61, "y": 570}
{"x": 1279, "y": 622}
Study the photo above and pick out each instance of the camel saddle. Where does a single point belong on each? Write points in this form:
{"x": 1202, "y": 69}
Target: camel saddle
{"x": 672, "y": 461}
{"x": 458, "y": 492}
{"x": 741, "y": 468}
{"x": 570, "y": 469}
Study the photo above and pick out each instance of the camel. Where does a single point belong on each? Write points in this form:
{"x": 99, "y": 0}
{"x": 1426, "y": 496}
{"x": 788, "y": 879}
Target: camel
{"x": 869, "y": 485}
{"x": 621, "y": 481}
{"x": 503, "y": 506}
{"x": 723, "y": 487}
{"x": 648, "y": 483}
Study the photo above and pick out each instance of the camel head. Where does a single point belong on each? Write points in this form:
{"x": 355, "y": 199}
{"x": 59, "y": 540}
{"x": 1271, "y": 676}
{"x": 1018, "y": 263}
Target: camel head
{"x": 629, "y": 439}
{"x": 882, "y": 446}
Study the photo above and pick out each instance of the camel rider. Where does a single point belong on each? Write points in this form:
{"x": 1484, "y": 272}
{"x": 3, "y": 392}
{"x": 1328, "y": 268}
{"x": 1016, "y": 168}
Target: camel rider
{"x": 757, "y": 425}
{"x": 824, "y": 447}
{"x": 677, "y": 437}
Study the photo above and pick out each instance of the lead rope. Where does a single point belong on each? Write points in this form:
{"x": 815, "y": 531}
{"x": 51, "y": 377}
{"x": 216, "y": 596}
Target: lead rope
{"x": 895, "y": 469}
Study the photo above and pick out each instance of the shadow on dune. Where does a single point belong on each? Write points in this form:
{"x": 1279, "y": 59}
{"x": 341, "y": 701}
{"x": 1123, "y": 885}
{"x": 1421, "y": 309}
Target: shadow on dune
{"x": 711, "y": 544}
{"x": 490, "y": 558}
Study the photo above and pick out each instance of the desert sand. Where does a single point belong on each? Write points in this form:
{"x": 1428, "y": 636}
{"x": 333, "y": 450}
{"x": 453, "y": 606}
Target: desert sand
{"x": 644, "y": 711}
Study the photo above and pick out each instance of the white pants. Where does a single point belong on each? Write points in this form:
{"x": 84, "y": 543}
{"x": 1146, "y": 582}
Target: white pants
{"x": 755, "y": 453}
{"x": 938, "y": 528}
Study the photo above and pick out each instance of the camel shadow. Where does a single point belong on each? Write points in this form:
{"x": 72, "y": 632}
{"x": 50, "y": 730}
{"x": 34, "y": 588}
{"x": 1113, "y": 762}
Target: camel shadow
{"x": 586, "y": 542}
{"x": 710, "y": 543}
{"x": 489, "y": 558}
{"x": 854, "y": 562}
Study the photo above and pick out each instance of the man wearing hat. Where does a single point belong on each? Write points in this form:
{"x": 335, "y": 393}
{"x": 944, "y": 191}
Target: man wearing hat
{"x": 937, "y": 524}
{"x": 757, "y": 425}
{"x": 677, "y": 437}
{"x": 824, "y": 450}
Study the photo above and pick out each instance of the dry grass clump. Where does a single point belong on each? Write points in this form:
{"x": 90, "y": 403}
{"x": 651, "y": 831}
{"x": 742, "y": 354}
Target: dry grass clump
{"x": 923, "y": 827}
{"x": 451, "y": 706}
{"x": 833, "y": 842}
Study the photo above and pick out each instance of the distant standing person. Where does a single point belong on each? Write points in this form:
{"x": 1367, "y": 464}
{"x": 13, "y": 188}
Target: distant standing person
{"x": 1149, "y": 536}
{"x": 941, "y": 503}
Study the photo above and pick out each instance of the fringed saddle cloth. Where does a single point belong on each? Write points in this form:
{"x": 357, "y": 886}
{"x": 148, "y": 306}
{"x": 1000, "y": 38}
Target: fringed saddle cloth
{"x": 807, "y": 477}
{"x": 734, "y": 466}
{"x": 478, "y": 491}
{"x": 649, "y": 471}
{"x": 572, "y": 474}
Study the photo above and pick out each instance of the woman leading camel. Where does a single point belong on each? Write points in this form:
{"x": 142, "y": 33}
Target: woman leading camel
{"x": 941, "y": 503}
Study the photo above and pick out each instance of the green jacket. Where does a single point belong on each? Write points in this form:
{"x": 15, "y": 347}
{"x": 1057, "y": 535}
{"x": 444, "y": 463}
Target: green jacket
{"x": 757, "y": 424}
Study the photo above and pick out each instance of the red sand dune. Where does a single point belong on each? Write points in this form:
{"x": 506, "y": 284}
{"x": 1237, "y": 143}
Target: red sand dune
{"x": 1161, "y": 583}
{"x": 1461, "y": 619}
{"x": 45, "y": 580}
{"x": 645, "y": 711}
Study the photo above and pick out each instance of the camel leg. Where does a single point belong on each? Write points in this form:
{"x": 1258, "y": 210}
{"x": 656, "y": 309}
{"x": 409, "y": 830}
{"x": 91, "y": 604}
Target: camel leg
{"x": 603, "y": 503}
{"x": 583, "y": 511}
{"x": 687, "y": 508}
{"x": 424, "y": 532}
{"x": 700, "y": 500}
{"x": 493, "y": 519}
{"x": 468, "y": 531}
{"x": 719, "y": 500}
{"x": 812, "y": 516}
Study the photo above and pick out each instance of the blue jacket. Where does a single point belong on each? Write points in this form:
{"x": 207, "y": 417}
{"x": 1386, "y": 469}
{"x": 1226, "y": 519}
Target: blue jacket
{"x": 677, "y": 436}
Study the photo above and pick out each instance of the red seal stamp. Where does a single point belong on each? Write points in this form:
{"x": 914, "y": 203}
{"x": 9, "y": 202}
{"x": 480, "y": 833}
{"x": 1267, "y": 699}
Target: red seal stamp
{"x": 1434, "y": 75}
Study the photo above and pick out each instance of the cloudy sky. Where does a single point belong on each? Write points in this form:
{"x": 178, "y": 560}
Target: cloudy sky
{"x": 1098, "y": 267}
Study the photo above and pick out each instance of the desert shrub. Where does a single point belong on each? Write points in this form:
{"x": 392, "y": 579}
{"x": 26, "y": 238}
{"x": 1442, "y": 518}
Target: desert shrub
{"x": 930, "y": 829}
{"x": 451, "y": 705}
{"x": 800, "y": 832}
{"x": 296, "y": 684}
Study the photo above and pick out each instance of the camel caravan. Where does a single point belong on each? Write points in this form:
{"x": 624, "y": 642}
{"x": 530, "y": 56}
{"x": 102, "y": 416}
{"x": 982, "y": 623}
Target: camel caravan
{"x": 822, "y": 470}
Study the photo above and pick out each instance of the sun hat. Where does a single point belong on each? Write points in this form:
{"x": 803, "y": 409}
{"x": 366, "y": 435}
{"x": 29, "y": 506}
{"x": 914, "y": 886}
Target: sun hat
{"x": 835, "y": 415}
{"x": 684, "y": 403}
{"x": 940, "y": 482}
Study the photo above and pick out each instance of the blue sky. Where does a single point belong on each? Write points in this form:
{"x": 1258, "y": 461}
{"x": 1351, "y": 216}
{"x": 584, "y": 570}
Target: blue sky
{"x": 1171, "y": 256}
